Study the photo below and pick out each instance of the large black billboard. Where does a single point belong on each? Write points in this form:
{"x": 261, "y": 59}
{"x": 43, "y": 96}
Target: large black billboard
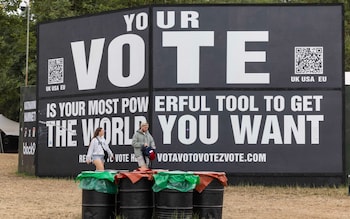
{"x": 249, "y": 131}
{"x": 67, "y": 127}
{"x": 248, "y": 47}
{"x": 86, "y": 55}
{"x": 236, "y": 88}
{"x": 28, "y": 131}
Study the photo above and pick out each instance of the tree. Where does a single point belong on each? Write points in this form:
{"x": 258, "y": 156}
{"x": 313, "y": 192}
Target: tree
{"x": 12, "y": 56}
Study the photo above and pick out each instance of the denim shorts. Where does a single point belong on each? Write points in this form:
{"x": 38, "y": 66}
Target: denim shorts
{"x": 97, "y": 157}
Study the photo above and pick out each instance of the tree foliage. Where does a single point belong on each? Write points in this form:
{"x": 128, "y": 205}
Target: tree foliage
{"x": 12, "y": 56}
{"x": 13, "y": 34}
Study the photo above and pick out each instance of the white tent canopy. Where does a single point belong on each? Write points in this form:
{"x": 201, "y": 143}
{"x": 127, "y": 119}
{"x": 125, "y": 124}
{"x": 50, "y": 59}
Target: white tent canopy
{"x": 347, "y": 78}
{"x": 8, "y": 126}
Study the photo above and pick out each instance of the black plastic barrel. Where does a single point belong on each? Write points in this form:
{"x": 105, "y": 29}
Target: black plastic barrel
{"x": 174, "y": 204}
{"x": 117, "y": 203}
{"x": 208, "y": 204}
{"x": 97, "y": 205}
{"x": 136, "y": 200}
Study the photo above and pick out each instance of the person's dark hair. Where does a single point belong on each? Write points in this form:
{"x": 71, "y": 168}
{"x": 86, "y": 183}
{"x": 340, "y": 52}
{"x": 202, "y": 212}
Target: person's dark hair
{"x": 96, "y": 134}
{"x": 97, "y": 131}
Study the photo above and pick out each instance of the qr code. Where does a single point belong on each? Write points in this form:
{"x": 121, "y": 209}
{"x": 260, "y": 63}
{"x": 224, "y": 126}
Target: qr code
{"x": 55, "y": 71}
{"x": 308, "y": 60}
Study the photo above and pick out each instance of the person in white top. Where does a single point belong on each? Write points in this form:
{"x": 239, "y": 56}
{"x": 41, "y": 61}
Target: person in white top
{"x": 96, "y": 150}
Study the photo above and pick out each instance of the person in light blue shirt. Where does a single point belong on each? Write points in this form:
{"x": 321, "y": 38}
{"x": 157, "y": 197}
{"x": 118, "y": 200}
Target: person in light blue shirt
{"x": 97, "y": 148}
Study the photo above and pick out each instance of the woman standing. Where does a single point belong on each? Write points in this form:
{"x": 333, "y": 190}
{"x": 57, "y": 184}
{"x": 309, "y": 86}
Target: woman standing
{"x": 96, "y": 150}
{"x": 140, "y": 140}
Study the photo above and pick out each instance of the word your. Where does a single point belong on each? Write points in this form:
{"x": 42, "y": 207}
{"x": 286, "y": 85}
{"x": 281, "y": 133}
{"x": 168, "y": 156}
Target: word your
{"x": 188, "y": 45}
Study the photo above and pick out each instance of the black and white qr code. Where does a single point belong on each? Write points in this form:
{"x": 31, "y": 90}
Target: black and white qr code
{"x": 55, "y": 71}
{"x": 308, "y": 60}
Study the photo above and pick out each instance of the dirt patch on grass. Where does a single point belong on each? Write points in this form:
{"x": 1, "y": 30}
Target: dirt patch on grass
{"x": 33, "y": 197}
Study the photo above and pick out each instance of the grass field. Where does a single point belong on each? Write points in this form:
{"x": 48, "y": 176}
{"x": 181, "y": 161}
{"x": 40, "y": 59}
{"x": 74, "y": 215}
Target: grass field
{"x": 32, "y": 197}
